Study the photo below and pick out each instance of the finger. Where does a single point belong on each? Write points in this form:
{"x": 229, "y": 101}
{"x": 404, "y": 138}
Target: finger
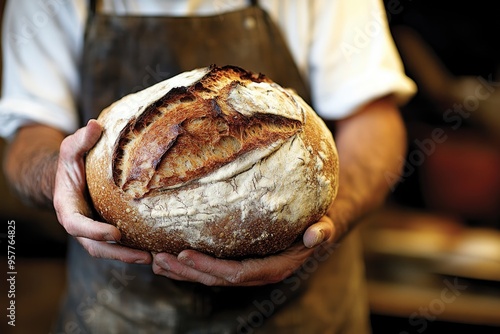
{"x": 81, "y": 141}
{"x": 79, "y": 225}
{"x": 93, "y": 132}
{"x": 70, "y": 171}
{"x": 242, "y": 273}
{"x": 169, "y": 266}
{"x": 69, "y": 201}
{"x": 105, "y": 250}
{"x": 319, "y": 232}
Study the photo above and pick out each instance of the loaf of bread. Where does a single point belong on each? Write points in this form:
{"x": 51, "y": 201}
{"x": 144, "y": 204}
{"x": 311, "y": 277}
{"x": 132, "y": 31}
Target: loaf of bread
{"x": 217, "y": 159}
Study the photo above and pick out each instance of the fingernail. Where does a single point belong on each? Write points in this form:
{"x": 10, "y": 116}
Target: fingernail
{"x": 320, "y": 237}
{"x": 187, "y": 261}
{"x": 109, "y": 237}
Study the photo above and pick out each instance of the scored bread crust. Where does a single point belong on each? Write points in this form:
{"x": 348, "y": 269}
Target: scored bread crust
{"x": 217, "y": 159}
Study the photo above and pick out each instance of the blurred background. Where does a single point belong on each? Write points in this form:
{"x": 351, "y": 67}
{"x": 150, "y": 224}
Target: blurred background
{"x": 433, "y": 251}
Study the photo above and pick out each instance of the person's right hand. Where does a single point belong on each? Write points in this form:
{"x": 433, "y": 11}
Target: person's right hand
{"x": 72, "y": 208}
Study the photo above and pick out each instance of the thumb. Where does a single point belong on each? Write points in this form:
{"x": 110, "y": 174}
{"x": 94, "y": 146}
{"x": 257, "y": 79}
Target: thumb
{"x": 318, "y": 232}
{"x": 82, "y": 140}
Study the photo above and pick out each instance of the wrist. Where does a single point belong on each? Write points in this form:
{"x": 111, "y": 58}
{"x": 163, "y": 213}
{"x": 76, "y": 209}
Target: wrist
{"x": 33, "y": 179}
{"x": 31, "y": 164}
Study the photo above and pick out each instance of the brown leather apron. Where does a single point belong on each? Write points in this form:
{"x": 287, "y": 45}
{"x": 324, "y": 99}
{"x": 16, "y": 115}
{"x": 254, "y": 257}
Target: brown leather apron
{"x": 124, "y": 54}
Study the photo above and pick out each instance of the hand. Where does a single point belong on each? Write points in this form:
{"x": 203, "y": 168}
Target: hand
{"x": 194, "y": 266}
{"x": 71, "y": 206}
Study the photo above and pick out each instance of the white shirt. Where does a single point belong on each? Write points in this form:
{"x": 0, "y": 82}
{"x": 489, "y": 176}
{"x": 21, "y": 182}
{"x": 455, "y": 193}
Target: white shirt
{"x": 342, "y": 47}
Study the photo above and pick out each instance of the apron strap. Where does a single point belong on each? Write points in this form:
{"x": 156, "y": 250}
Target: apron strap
{"x": 92, "y": 7}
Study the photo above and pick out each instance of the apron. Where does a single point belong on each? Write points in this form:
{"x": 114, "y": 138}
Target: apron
{"x": 124, "y": 54}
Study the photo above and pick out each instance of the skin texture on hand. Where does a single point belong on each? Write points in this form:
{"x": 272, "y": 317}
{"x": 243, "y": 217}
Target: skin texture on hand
{"x": 46, "y": 168}
{"x": 194, "y": 266}
{"x": 72, "y": 207}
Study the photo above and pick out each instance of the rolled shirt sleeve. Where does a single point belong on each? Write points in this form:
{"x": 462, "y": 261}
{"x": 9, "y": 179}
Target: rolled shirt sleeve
{"x": 344, "y": 50}
{"x": 354, "y": 59}
{"x": 41, "y": 45}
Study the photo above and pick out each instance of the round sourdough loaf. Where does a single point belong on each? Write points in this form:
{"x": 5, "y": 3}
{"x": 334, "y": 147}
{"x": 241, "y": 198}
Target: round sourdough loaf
{"x": 216, "y": 159}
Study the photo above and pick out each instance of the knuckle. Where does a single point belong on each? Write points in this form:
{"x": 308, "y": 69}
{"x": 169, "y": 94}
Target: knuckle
{"x": 92, "y": 251}
{"x": 91, "y": 248}
{"x": 159, "y": 270}
{"x": 65, "y": 148}
{"x": 209, "y": 282}
{"x": 236, "y": 278}
{"x": 66, "y": 224}
{"x": 58, "y": 203}
{"x": 184, "y": 272}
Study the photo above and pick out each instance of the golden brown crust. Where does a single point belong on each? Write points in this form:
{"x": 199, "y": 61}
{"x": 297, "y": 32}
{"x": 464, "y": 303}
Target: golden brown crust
{"x": 203, "y": 167}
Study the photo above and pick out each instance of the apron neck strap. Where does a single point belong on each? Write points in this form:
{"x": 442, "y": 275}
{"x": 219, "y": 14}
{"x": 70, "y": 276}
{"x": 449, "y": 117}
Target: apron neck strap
{"x": 92, "y": 7}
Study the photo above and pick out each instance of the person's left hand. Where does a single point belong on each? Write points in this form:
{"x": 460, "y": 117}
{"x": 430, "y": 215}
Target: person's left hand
{"x": 194, "y": 266}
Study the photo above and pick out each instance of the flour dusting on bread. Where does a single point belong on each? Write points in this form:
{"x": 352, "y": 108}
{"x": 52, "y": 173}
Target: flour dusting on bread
{"x": 217, "y": 159}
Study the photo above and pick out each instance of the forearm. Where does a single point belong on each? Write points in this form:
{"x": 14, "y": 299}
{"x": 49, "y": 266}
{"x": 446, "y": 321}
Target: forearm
{"x": 370, "y": 145}
{"x": 31, "y": 162}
